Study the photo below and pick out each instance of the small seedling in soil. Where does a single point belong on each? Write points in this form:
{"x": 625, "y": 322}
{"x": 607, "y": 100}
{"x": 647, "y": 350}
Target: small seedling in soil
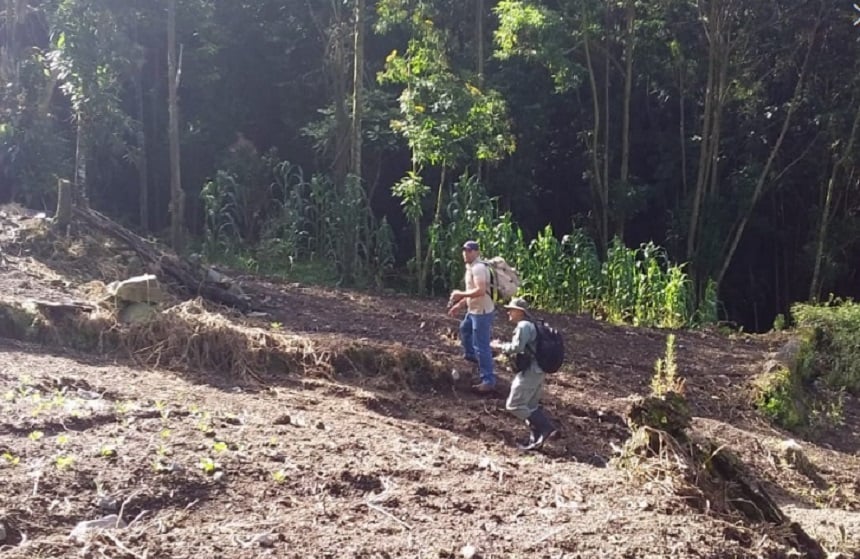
{"x": 11, "y": 459}
{"x": 219, "y": 446}
{"x": 161, "y": 408}
{"x": 276, "y": 326}
{"x": 35, "y": 435}
{"x": 165, "y": 433}
{"x": 209, "y": 466}
{"x": 107, "y": 451}
{"x": 280, "y": 476}
{"x": 62, "y": 439}
{"x": 64, "y": 462}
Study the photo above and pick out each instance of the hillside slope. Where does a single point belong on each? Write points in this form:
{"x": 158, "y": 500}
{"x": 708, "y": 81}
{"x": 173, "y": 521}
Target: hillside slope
{"x": 363, "y": 446}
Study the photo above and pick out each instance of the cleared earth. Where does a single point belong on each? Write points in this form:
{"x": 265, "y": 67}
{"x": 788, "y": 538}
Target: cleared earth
{"x": 337, "y": 431}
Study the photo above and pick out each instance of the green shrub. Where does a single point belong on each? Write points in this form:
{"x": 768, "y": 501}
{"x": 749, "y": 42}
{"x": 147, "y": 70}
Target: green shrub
{"x": 780, "y": 397}
{"x": 834, "y": 328}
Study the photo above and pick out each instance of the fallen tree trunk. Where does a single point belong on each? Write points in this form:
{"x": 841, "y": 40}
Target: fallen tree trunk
{"x": 190, "y": 278}
{"x": 660, "y": 431}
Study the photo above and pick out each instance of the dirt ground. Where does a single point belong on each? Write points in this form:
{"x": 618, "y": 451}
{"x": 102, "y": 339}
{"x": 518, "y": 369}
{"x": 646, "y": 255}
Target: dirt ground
{"x": 356, "y": 458}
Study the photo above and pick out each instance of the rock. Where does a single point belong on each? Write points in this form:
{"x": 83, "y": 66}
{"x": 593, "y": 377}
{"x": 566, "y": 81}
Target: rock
{"x": 218, "y": 278}
{"x": 789, "y": 352}
{"x": 107, "y": 504}
{"x": 469, "y": 552}
{"x": 86, "y": 527}
{"x": 793, "y": 456}
{"x": 265, "y": 540}
{"x": 139, "y": 289}
{"x": 136, "y": 313}
{"x": 283, "y": 420}
{"x": 2, "y": 532}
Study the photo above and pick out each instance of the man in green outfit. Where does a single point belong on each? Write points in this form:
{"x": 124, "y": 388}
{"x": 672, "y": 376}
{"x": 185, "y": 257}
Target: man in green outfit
{"x": 527, "y": 386}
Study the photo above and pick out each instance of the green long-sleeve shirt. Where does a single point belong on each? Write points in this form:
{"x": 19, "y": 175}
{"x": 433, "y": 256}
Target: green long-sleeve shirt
{"x": 525, "y": 336}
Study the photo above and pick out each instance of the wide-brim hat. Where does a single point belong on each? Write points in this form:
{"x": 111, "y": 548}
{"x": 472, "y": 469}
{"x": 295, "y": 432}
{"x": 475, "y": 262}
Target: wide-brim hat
{"x": 518, "y": 303}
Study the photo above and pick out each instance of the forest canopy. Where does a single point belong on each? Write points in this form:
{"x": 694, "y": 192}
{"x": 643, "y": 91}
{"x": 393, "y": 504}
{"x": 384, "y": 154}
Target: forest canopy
{"x": 710, "y": 143}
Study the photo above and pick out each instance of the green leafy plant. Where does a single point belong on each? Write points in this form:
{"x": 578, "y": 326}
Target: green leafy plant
{"x": 666, "y": 377}
{"x": 64, "y": 462}
{"x": 108, "y": 451}
{"x": 835, "y": 343}
{"x": 11, "y": 459}
{"x": 208, "y": 466}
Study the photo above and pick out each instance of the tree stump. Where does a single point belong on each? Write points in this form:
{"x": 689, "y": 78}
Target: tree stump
{"x": 669, "y": 413}
{"x": 63, "y": 217}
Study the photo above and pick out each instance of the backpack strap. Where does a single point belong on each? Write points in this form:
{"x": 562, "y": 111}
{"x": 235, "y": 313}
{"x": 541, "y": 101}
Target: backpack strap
{"x": 490, "y": 282}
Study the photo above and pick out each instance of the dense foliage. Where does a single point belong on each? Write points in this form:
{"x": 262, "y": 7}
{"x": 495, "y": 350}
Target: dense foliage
{"x": 715, "y": 137}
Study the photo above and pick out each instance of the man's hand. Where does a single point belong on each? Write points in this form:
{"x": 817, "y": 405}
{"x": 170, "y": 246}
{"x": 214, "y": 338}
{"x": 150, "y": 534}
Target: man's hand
{"x": 495, "y": 344}
{"x": 454, "y": 308}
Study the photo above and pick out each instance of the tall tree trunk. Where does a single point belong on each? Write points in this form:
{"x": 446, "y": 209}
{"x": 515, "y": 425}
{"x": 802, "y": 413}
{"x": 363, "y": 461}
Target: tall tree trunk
{"x": 826, "y": 210}
{"x": 598, "y": 182}
{"x": 682, "y": 130}
{"x": 338, "y": 70}
{"x": 156, "y": 104}
{"x": 9, "y": 63}
{"x": 437, "y": 219}
{"x": 479, "y": 64}
{"x": 79, "y": 184}
{"x": 174, "y": 71}
{"x": 762, "y": 181}
{"x": 717, "y": 127}
{"x": 479, "y": 40}
{"x": 357, "y": 89}
{"x": 713, "y": 33}
{"x": 142, "y": 154}
{"x": 629, "y": 47}
{"x": 606, "y": 121}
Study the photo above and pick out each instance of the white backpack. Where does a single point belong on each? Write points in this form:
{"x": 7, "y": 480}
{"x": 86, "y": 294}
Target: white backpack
{"x": 504, "y": 279}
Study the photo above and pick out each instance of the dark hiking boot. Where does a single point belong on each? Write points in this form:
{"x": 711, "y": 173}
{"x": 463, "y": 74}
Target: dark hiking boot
{"x": 544, "y": 429}
{"x": 527, "y": 444}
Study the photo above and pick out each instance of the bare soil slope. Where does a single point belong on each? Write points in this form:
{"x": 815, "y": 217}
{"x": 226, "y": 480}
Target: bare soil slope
{"x": 363, "y": 445}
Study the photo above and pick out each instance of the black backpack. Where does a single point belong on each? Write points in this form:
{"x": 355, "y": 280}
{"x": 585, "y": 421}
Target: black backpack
{"x": 550, "y": 347}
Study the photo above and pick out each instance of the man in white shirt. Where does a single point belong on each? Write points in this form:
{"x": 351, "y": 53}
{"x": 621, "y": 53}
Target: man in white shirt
{"x": 477, "y": 326}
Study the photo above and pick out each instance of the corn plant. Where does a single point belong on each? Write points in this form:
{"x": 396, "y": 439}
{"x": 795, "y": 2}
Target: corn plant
{"x": 582, "y": 283}
{"x": 221, "y": 232}
{"x": 546, "y": 271}
{"x": 468, "y": 206}
{"x": 618, "y": 282}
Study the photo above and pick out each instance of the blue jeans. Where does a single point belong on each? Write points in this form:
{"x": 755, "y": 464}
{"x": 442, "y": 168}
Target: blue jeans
{"x": 475, "y": 330}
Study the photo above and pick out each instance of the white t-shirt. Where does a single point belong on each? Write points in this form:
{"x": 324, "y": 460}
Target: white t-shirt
{"x": 484, "y": 303}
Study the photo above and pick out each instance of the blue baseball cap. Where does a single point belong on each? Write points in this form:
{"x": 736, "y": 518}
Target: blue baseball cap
{"x": 471, "y": 245}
